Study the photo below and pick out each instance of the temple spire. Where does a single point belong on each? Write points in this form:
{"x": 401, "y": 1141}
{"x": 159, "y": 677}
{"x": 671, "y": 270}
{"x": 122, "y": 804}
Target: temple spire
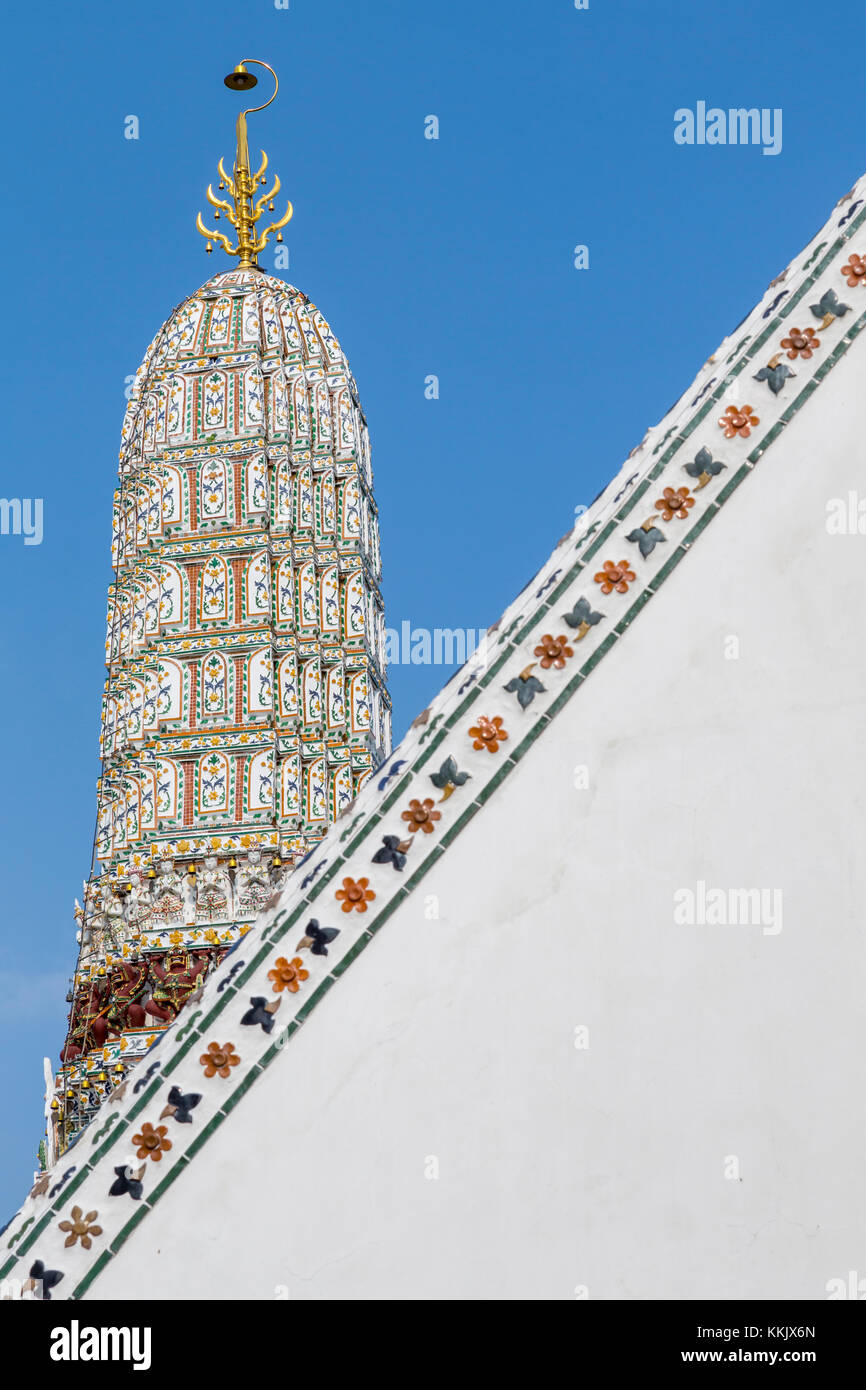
{"x": 242, "y": 212}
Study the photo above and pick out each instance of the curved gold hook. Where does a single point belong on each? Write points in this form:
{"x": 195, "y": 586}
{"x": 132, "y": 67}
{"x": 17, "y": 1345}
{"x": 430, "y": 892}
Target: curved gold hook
{"x": 250, "y": 109}
{"x": 229, "y": 182}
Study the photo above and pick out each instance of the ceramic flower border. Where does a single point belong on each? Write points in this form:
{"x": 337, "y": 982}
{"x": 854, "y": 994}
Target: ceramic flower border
{"x": 451, "y": 762}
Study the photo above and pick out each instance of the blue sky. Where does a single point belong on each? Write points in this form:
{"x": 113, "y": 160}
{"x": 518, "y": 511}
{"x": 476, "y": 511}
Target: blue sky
{"x": 451, "y": 257}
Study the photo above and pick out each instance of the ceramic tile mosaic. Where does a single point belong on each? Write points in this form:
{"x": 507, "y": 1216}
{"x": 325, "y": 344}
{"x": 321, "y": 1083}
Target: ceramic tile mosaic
{"x": 245, "y": 704}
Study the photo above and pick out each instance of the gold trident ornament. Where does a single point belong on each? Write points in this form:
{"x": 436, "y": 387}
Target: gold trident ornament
{"x": 244, "y": 215}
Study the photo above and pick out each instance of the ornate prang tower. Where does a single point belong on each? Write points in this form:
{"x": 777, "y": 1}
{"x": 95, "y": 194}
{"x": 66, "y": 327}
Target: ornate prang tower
{"x": 245, "y": 703}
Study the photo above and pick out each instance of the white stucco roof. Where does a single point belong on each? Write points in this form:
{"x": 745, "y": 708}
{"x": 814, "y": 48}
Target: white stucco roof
{"x": 592, "y": 588}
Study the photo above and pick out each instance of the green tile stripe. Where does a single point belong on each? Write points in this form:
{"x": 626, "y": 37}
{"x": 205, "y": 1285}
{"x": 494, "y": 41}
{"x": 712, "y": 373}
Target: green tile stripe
{"x": 345, "y": 961}
{"x": 448, "y": 727}
{"x": 139, "y": 1214}
{"x": 161, "y": 1187}
{"x": 387, "y": 911}
{"x": 95, "y": 1270}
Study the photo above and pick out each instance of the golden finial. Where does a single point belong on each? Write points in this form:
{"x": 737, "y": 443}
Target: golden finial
{"x": 245, "y": 214}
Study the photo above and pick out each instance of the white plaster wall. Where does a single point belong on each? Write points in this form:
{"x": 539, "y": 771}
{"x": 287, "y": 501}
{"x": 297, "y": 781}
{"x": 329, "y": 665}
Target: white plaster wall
{"x": 454, "y": 1037}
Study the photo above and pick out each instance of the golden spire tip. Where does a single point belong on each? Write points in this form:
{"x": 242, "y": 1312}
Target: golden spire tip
{"x": 242, "y": 213}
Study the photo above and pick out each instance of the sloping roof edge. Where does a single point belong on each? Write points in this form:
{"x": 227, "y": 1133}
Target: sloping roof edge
{"x": 455, "y": 753}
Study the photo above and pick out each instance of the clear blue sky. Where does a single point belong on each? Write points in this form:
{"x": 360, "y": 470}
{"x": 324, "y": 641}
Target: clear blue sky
{"x": 451, "y": 257}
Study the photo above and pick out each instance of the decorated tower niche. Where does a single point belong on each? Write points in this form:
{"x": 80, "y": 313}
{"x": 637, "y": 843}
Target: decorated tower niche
{"x": 245, "y": 701}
